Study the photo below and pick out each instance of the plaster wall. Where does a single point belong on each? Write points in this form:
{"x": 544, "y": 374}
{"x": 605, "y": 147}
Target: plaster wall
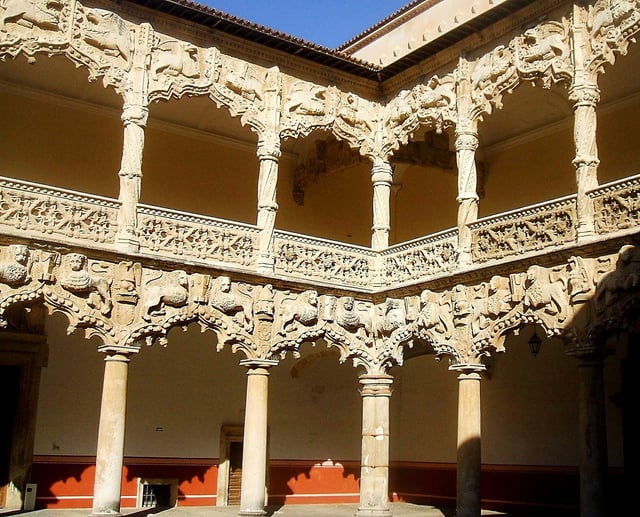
{"x": 179, "y": 396}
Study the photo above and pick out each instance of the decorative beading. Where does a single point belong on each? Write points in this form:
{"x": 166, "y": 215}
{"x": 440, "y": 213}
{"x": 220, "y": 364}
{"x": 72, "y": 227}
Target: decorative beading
{"x": 535, "y": 228}
{"x": 50, "y": 213}
{"x": 423, "y": 258}
{"x": 184, "y": 235}
{"x": 319, "y": 259}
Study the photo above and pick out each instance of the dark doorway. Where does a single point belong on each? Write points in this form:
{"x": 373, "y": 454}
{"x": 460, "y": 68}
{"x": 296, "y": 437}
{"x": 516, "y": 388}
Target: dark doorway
{"x": 9, "y": 383}
{"x": 235, "y": 472}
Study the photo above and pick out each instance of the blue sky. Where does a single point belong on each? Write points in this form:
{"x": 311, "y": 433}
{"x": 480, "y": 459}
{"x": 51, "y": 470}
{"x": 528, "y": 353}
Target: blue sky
{"x": 326, "y": 22}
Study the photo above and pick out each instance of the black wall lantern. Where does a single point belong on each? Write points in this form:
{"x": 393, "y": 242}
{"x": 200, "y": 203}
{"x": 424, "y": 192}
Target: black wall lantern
{"x": 535, "y": 343}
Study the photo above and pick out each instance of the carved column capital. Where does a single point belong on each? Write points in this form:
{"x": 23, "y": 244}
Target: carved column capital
{"x": 258, "y": 366}
{"x": 468, "y": 370}
{"x": 269, "y": 148}
{"x": 584, "y": 95}
{"x": 135, "y": 114}
{"x": 467, "y": 141}
{"x": 375, "y": 385}
{"x": 382, "y": 172}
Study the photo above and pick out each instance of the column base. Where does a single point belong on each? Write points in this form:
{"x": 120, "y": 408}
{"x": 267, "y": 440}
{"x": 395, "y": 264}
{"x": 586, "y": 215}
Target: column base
{"x": 249, "y": 513}
{"x": 373, "y": 512}
{"x": 106, "y": 514}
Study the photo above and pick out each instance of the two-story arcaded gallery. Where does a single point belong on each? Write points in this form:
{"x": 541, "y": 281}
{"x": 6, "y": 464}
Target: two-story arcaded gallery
{"x": 419, "y": 248}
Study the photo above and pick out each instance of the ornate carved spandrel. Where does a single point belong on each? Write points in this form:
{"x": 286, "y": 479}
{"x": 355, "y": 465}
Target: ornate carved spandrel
{"x": 232, "y": 299}
{"x": 618, "y": 292}
{"x": 307, "y": 107}
{"x": 15, "y": 265}
{"x": 490, "y": 76}
{"x": 356, "y": 122}
{"x": 178, "y": 68}
{"x": 95, "y": 287}
{"x": 543, "y": 53}
{"x": 546, "y": 296}
{"x": 295, "y": 312}
{"x": 611, "y": 25}
{"x": 33, "y": 26}
{"x": 102, "y": 40}
{"x": 162, "y": 291}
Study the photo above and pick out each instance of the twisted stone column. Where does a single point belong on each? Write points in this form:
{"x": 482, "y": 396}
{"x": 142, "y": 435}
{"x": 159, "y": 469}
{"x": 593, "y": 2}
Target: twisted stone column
{"x": 585, "y": 97}
{"x": 110, "y": 453}
{"x": 268, "y": 155}
{"x": 134, "y": 118}
{"x": 466, "y": 146}
{"x": 381, "y": 177}
{"x": 469, "y": 462}
{"x": 374, "y": 473}
{"x": 254, "y": 455}
{"x": 594, "y": 463}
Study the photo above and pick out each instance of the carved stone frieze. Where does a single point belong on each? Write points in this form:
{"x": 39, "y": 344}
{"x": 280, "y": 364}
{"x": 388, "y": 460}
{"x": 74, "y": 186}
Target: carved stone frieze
{"x": 617, "y": 208}
{"x": 307, "y": 107}
{"x": 34, "y": 26}
{"x": 543, "y": 52}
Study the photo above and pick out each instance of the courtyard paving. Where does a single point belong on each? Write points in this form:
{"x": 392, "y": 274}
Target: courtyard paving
{"x": 312, "y": 510}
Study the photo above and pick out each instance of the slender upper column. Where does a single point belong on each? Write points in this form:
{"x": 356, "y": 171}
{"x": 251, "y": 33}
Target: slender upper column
{"x": 254, "y": 455}
{"x": 134, "y": 117}
{"x": 585, "y": 97}
{"x": 381, "y": 177}
{"x": 268, "y": 155}
{"x": 593, "y": 431}
{"x": 374, "y": 477}
{"x": 469, "y": 462}
{"x": 466, "y": 146}
{"x": 110, "y": 453}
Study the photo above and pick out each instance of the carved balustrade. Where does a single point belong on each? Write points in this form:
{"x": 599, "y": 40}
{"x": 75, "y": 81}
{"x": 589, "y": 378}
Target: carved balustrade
{"x": 56, "y": 214}
{"x": 425, "y": 258}
{"x": 324, "y": 261}
{"x": 617, "y": 205}
{"x": 532, "y": 229}
{"x": 188, "y": 236}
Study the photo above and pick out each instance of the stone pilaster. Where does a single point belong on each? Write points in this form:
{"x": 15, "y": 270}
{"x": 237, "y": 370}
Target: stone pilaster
{"x": 268, "y": 155}
{"x": 585, "y": 97}
{"x": 469, "y": 462}
{"x": 254, "y": 456}
{"x": 110, "y": 453}
{"x": 593, "y": 430}
{"x": 382, "y": 178}
{"x": 466, "y": 146}
{"x": 374, "y": 477}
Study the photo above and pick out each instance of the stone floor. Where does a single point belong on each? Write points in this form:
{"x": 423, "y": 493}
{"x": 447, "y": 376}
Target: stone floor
{"x": 314, "y": 510}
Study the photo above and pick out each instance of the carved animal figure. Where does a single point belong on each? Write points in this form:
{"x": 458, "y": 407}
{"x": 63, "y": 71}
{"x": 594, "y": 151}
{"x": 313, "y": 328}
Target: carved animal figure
{"x": 175, "y": 58}
{"x": 391, "y": 316}
{"x": 244, "y": 84}
{"x": 543, "y": 291}
{"x": 41, "y": 13}
{"x": 15, "y": 269}
{"x": 306, "y": 99}
{"x": 229, "y": 300}
{"x": 488, "y": 68}
{"x": 303, "y": 309}
{"x": 603, "y": 18}
{"x": 109, "y": 32}
{"x": 172, "y": 290}
{"x": 347, "y": 316}
{"x": 76, "y": 279}
{"x": 544, "y": 46}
